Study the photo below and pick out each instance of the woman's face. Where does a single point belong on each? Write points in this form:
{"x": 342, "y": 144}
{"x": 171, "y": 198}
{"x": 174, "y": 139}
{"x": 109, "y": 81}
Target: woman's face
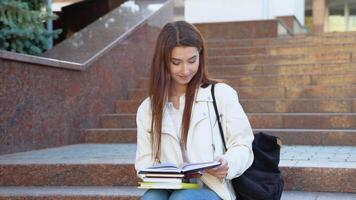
{"x": 184, "y": 64}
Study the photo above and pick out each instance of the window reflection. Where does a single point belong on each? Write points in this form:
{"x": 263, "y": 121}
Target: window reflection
{"x": 336, "y": 18}
{"x": 352, "y": 17}
{"x": 341, "y": 15}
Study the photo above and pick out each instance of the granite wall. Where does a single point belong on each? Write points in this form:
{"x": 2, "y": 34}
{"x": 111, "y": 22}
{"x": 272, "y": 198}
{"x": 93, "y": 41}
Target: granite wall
{"x": 45, "y": 106}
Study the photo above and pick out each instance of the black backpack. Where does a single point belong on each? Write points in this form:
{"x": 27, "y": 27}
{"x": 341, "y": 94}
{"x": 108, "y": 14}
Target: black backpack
{"x": 263, "y": 180}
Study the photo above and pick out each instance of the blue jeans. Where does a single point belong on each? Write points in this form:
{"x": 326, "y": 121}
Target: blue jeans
{"x": 187, "y": 194}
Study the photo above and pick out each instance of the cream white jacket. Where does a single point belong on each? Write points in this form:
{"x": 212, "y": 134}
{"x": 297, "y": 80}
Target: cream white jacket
{"x": 203, "y": 135}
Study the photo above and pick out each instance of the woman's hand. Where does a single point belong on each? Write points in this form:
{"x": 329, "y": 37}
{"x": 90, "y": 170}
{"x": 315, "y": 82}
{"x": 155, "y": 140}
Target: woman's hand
{"x": 219, "y": 171}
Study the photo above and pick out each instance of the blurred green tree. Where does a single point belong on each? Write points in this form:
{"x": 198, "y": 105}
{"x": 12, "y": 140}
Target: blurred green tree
{"x": 22, "y": 26}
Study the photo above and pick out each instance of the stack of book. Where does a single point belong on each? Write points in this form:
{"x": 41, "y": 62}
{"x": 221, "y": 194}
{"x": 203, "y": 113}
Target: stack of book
{"x": 169, "y": 176}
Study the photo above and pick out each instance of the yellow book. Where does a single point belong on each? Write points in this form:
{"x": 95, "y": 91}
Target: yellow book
{"x": 151, "y": 185}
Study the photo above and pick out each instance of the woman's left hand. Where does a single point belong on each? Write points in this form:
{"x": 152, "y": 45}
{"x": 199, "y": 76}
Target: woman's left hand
{"x": 219, "y": 171}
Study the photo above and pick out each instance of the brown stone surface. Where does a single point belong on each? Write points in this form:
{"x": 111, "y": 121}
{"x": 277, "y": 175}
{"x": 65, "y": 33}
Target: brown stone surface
{"x": 125, "y": 106}
{"x": 71, "y": 193}
{"x": 342, "y": 79}
{"x": 110, "y": 135}
{"x": 343, "y": 47}
{"x": 274, "y": 80}
{"x": 336, "y": 38}
{"x": 280, "y": 59}
{"x": 266, "y": 121}
{"x": 282, "y": 49}
{"x": 322, "y": 92}
{"x": 118, "y": 121}
{"x": 235, "y": 30}
{"x": 261, "y": 92}
{"x": 68, "y": 175}
{"x": 313, "y": 136}
{"x": 298, "y": 106}
{"x": 303, "y": 120}
{"x": 236, "y": 51}
{"x": 48, "y": 106}
{"x": 320, "y": 121}
{"x": 293, "y": 69}
{"x": 339, "y": 138}
{"x": 319, "y": 179}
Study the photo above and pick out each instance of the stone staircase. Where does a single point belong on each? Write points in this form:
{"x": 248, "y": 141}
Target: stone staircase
{"x": 302, "y": 89}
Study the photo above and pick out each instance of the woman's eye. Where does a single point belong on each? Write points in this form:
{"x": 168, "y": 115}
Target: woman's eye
{"x": 192, "y": 61}
{"x": 175, "y": 63}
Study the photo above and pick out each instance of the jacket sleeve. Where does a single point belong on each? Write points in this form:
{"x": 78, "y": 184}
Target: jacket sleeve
{"x": 237, "y": 131}
{"x": 144, "y": 151}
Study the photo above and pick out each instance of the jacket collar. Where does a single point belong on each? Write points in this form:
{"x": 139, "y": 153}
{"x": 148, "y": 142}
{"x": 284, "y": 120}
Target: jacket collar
{"x": 204, "y": 94}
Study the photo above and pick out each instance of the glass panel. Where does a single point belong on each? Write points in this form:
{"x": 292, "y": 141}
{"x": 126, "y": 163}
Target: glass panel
{"x": 352, "y": 17}
{"x": 308, "y": 20}
{"x": 336, "y": 18}
{"x": 98, "y": 36}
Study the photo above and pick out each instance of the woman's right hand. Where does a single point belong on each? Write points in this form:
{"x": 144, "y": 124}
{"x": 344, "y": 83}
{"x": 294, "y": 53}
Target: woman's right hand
{"x": 219, "y": 171}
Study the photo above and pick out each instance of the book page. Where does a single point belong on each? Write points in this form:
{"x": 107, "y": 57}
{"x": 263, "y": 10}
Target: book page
{"x": 199, "y": 166}
{"x": 162, "y": 168}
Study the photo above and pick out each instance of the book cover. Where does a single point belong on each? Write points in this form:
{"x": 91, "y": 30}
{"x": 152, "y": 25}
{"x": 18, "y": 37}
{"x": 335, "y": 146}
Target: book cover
{"x": 161, "y": 175}
{"x": 163, "y": 180}
{"x": 169, "y": 168}
{"x": 150, "y": 185}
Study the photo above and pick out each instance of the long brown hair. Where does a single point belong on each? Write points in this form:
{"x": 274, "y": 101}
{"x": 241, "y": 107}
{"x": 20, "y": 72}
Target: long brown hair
{"x": 179, "y": 33}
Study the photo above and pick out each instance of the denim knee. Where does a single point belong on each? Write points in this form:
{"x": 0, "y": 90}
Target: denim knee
{"x": 189, "y": 194}
{"x": 155, "y": 194}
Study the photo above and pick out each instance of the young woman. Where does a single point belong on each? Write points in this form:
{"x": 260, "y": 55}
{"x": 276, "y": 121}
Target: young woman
{"x": 177, "y": 122}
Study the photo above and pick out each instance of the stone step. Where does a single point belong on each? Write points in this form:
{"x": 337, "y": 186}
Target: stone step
{"x": 274, "y": 92}
{"x": 118, "y": 120}
{"x": 291, "y": 69}
{"x": 281, "y": 80}
{"x": 110, "y": 135}
{"x": 72, "y": 192}
{"x": 272, "y": 105}
{"x": 257, "y": 42}
{"x": 283, "y": 50}
{"x": 281, "y": 59}
{"x": 325, "y": 137}
{"x": 129, "y": 193}
{"x": 72, "y": 165}
{"x": 304, "y": 168}
{"x": 261, "y": 120}
{"x": 288, "y": 136}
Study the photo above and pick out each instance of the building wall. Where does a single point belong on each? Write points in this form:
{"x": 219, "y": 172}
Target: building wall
{"x": 200, "y": 11}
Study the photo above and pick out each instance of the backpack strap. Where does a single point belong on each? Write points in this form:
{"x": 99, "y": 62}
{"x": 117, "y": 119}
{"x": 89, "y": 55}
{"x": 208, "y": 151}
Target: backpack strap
{"x": 217, "y": 116}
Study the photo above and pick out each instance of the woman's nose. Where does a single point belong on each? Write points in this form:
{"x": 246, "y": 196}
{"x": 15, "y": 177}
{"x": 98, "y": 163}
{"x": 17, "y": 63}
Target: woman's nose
{"x": 186, "y": 69}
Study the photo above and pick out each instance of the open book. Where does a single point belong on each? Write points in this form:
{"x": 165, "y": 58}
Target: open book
{"x": 149, "y": 185}
{"x": 169, "y": 168}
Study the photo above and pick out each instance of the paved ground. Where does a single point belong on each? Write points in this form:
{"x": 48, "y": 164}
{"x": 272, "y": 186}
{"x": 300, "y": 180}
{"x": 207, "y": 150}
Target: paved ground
{"x": 318, "y": 156}
{"x": 132, "y": 191}
{"x": 308, "y": 156}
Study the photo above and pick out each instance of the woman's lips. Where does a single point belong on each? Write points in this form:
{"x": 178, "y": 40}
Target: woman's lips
{"x": 184, "y": 77}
